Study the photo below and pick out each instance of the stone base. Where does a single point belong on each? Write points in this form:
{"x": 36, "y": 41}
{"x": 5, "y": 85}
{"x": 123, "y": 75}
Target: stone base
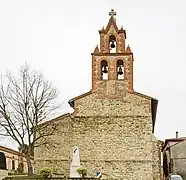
{"x": 3, "y": 174}
{"x": 73, "y": 172}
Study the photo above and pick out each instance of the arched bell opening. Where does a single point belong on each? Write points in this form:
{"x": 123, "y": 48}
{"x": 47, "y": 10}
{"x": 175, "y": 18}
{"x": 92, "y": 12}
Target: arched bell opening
{"x": 120, "y": 69}
{"x": 112, "y": 44}
{"x": 104, "y": 70}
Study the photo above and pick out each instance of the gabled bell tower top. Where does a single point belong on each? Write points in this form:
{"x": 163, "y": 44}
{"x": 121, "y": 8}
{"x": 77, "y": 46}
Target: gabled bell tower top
{"x": 112, "y": 62}
{"x": 113, "y": 35}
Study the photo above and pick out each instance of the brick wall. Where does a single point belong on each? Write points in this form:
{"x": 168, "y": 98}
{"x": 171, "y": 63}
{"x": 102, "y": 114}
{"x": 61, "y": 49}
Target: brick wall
{"x": 112, "y": 70}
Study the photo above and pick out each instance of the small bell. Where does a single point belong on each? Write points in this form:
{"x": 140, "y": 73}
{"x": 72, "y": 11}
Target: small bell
{"x": 105, "y": 70}
{"x": 120, "y": 72}
{"x": 112, "y": 44}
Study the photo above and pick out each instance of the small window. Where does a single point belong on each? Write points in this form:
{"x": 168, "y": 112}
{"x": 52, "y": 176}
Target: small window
{"x": 120, "y": 69}
{"x": 104, "y": 70}
{"x": 13, "y": 164}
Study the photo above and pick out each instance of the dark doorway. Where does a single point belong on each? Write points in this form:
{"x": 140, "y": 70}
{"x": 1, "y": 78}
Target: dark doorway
{"x": 2, "y": 161}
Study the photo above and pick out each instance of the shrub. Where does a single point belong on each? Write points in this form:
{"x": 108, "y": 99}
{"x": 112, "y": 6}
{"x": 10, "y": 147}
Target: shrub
{"x": 20, "y": 168}
{"x": 81, "y": 171}
{"x": 45, "y": 172}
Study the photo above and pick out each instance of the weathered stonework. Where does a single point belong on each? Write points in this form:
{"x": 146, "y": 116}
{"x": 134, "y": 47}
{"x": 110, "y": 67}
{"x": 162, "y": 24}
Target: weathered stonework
{"x": 156, "y": 159}
{"x": 114, "y": 136}
{"x": 112, "y": 125}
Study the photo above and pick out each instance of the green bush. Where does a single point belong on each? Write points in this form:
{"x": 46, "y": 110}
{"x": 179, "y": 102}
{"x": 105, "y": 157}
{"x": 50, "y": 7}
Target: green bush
{"x": 45, "y": 172}
{"x": 20, "y": 168}
{"x": 81, "y": 171}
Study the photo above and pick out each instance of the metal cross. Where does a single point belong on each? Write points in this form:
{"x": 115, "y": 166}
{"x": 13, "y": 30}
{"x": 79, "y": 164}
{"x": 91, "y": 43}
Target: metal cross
{"x": 112, "y": 13}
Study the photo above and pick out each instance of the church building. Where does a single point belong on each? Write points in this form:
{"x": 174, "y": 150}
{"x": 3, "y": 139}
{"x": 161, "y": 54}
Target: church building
{"x": 112, "y": 124}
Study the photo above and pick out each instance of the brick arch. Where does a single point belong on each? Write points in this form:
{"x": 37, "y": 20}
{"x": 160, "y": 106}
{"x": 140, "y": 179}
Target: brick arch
{"x": 107, "y": 41}
{"x": 115, "y": 67}
{"x": 99, "y": 67}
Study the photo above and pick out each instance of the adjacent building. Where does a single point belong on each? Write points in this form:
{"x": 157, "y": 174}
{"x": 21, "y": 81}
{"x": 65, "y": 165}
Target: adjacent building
{"x": 174, "y": 156}
{"x": 14, "y": 158}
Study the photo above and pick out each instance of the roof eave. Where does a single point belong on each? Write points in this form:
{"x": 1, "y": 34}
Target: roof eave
{"x": 71, "y": 101}
{"x": 154, "y": 105}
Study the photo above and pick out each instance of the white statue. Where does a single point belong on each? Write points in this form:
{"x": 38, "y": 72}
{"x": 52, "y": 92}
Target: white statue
{"x": 75, "y": 162}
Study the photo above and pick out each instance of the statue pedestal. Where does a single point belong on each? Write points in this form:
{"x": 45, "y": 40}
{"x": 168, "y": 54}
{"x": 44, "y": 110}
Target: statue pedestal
{"x": 73, "y": 173}
{"x": 75, "y": 163}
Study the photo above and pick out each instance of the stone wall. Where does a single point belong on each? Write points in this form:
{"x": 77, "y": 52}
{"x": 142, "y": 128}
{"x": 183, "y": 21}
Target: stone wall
{"x": 124, "y": 170}
{"x": 110, "y": 145}
{"x": 56, "y": 152}
{"x": 114, "y": 138}
{"x": 113, "y": 99}
{"x": 113, "y": 133}
{"x": 156, "y": 159}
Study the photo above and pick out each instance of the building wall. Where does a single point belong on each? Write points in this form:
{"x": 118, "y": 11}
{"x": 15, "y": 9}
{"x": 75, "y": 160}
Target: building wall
{"x": 104, "y": 40}
{"x": 114, "y": 102}
{"x": 11, "y": 156}
{"x": 113, "y": 133}
{"x": 112, "y": 71}
{"x": 55, "y": 153}
{"x": 157, "y": 169}
{"x": 178, "y": 156}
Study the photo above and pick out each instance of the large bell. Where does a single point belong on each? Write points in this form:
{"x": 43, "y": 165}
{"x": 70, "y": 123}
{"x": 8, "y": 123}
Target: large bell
{"x": 105, "y": 70}
{"x": 112, "y": 44}
{"x": 120, "y": 72}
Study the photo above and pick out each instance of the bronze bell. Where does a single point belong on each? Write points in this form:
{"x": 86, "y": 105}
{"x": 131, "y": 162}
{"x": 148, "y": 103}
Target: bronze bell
{"x": 120, "y": 72}
{"x": 112, "y": 44}
{"x": 105, "y": 70}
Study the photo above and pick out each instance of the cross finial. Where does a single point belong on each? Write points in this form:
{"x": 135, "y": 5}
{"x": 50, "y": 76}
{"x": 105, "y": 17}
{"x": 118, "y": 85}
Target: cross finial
{"x": 112, "y": 13}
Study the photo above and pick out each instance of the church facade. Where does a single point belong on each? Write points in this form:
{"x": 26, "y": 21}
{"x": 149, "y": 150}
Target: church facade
{"x": 112, "y": 125}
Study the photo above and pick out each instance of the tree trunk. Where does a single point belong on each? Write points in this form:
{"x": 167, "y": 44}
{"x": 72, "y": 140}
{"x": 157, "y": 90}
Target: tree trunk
{"x": 29, "y": 165}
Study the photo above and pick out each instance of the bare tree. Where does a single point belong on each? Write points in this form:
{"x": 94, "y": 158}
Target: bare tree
{"x": 26, "y": 102}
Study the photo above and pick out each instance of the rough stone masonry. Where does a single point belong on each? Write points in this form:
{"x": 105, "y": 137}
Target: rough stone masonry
{"x": 112, "y": 124}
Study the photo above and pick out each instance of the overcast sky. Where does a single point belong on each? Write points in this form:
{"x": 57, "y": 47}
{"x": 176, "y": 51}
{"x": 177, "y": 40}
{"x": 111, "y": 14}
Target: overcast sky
{"x": 56, "y": 37}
